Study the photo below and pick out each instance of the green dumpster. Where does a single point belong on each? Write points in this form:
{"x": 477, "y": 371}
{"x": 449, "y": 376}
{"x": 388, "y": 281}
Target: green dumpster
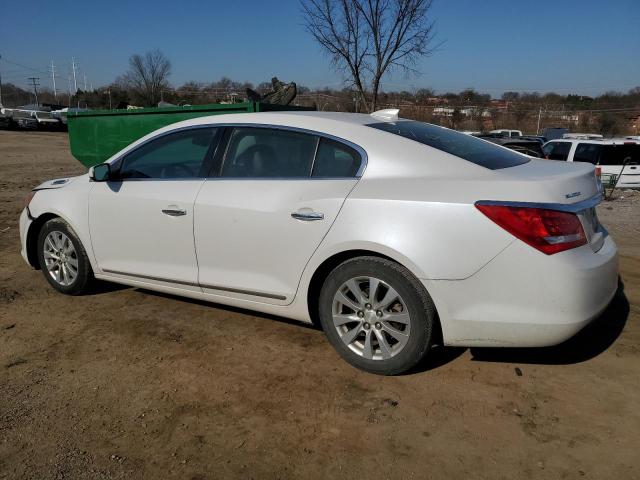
{"x": 95, "y": 135}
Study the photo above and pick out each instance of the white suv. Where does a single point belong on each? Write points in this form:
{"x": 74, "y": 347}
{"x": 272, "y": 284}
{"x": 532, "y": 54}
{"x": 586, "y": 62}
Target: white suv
{"x": 609, "y": 155}
{"x": 507, "y": 133}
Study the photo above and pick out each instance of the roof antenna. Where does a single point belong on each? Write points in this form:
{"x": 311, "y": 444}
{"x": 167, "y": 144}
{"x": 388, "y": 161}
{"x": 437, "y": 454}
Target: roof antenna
{"x": 387, "y": 114}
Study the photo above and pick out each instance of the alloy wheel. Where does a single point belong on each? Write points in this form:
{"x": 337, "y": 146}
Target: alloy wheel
{"x": 371, "y": 318}
{"x": 61, "y": 258}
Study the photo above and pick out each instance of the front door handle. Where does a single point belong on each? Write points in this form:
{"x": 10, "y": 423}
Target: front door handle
{"x": 307, "y": 216}
{"x": 174, "y": 212}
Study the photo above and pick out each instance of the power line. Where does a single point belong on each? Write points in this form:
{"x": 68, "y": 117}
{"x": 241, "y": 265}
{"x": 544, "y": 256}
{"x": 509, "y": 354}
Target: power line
{"x": 25, "y": 66}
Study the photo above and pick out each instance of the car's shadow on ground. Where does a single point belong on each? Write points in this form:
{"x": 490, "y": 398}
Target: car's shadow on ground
{"x": 593, "y": 340}
{"x": 101, "y": 287}
{"x": 228, "y": 308}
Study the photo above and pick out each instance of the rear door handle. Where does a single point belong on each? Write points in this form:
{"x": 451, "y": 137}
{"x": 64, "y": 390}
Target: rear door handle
{"x": 174, "y": 212}
{"x": 307, "y": 216}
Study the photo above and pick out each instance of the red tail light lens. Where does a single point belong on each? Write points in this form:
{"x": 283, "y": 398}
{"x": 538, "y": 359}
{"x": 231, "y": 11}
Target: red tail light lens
{"x": 549, "y": 231}
{"x": 598, "y": 171}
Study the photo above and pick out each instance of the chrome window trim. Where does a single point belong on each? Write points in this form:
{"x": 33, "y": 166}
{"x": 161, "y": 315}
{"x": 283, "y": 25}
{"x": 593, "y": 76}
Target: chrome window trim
{"x": 315, "y": 155}
{"x": 561, "y": 207}
{"x": 364, "y": 159}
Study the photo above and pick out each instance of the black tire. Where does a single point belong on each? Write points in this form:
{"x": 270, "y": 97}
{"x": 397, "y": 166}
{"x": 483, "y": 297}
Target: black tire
{"x": 422, "y": 313}
{"x": 84, "y": 278}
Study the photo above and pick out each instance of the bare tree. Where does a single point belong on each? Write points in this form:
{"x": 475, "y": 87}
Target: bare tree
{"x": 147, "y": 76}
{"x": 368, "y": 38}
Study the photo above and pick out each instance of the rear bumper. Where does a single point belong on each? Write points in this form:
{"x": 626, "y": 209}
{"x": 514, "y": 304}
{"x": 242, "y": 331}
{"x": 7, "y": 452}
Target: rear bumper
{"x": 524, "y": 298}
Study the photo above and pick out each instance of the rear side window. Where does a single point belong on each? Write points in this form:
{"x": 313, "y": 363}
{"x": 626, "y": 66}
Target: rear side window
{"x": 616, "y": 154}
{"x": 557, "y": 150}
{"x": 335, "y": 160}
{"x": 463, "y": 146}
{"x": 269, "y": 153}
{"x": 587, "y": 152}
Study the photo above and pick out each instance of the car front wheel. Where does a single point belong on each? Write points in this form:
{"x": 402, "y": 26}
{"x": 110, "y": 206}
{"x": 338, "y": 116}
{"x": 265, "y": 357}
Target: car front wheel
{"x": 63, "y": 259}
{"x": 377, "y": 315}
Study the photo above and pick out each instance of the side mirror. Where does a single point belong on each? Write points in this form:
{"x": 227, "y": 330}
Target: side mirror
{"x": 101, "y": 173}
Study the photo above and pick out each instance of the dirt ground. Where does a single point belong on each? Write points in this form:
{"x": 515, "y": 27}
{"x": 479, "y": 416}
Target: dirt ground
{"x": 128, "y": 383}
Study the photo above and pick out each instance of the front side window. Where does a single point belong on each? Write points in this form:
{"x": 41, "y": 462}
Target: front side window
{"x": 173, "y": 156}
{"x": 587, "y": 152}
{"x": 335, "y": 160}
{"x": 467, "y": 147}
{"x": 269, "y": 153}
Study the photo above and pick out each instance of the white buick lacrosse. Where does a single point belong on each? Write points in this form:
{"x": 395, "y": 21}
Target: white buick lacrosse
{"x": 391, "y": 234}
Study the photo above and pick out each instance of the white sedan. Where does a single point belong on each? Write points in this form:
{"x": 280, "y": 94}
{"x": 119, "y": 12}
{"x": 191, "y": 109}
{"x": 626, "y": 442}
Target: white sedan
{"x": 393, "y": 235}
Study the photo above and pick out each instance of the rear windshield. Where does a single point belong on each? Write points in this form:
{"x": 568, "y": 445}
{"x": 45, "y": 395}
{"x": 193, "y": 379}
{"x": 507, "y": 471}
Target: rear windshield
{"x": 464, "y": 146}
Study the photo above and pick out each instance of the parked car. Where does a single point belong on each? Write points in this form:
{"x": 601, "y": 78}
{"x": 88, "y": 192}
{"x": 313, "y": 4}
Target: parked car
{"x": 583, "y": 136}
{"x": 23, "y": 120}
{"x": 538, "y": 138}
{"x": 507, "y": 133}
{"x": 46, "y": 121}
{"x": 532, "y": 148}
{"x": 393, "y": 235}
{"x": 551, "y": 133}
{"x": 609, "y": 155}
{"x": 5, "y": 121}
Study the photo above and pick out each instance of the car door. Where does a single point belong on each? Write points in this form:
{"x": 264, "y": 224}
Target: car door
{"x": 259, "y": 221}
{"x": 141, "y": 222}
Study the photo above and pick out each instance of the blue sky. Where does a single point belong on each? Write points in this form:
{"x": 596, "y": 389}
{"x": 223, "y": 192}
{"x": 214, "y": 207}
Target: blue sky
{"x": 569, "y": 46}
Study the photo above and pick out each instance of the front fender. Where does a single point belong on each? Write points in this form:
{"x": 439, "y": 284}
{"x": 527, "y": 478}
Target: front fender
{"x": 70, "y": 203}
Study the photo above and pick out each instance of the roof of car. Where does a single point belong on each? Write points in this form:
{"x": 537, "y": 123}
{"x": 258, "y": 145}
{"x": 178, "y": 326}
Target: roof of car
{"x": 343, "y": 117}
{"x": 601, "y": 141}
{"x": 509, "y": 140}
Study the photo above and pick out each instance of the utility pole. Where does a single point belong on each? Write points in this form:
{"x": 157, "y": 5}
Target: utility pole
{"x": 0, "y": 87}
{"x": 73, "y": 67}
{"x": 53, "y": 79}
{"x": 539, "y": 115}
{"x": 34, "y": 82}
{"x": 69, "y": 83}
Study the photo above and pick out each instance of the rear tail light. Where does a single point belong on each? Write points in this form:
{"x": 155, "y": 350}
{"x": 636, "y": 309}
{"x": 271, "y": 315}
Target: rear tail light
{"x": 598, "y": 171}
{"x": 549, "y": 231}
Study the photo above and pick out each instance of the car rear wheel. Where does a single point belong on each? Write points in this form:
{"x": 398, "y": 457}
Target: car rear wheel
{"x": 63, "y": 259}
{"x": 377, "y": 315}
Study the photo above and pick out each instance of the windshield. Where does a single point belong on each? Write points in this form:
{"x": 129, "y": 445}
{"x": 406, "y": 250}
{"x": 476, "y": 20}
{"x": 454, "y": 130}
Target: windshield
{"x": 463, "y": 146}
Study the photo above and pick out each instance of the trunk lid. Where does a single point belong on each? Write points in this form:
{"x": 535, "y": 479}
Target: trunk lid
{"x": 553, "y": 182}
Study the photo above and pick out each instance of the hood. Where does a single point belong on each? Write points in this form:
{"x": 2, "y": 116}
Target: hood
{"x": 56, "y": 183}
